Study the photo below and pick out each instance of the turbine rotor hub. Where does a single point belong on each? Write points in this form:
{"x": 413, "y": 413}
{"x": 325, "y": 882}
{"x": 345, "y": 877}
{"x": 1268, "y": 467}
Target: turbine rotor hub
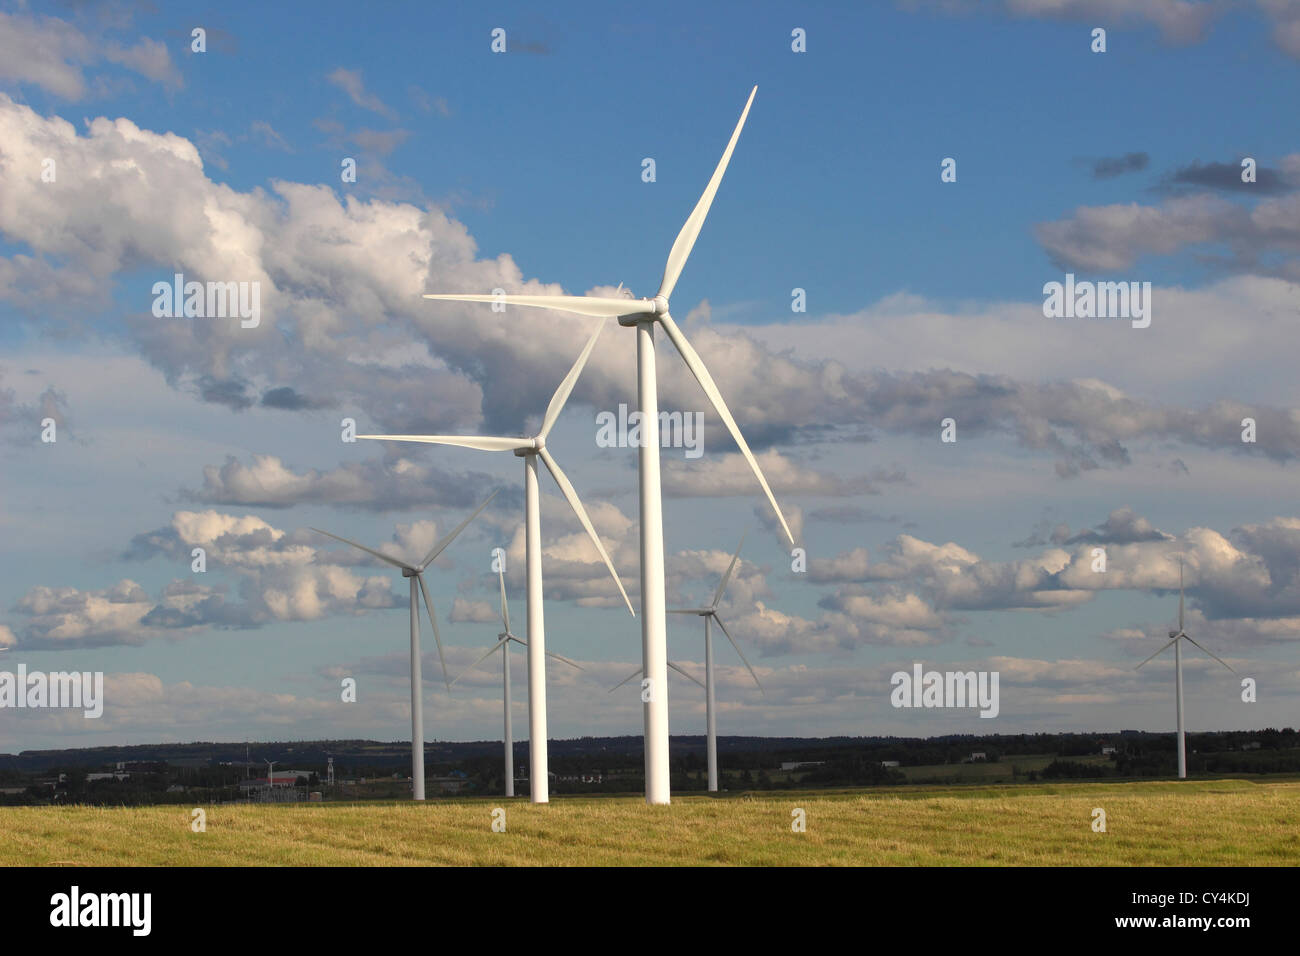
{"x": 408, "y": 572}
{"x": 661, "y": 304}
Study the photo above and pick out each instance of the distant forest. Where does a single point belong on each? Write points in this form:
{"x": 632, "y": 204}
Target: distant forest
{"x": 364, "y": 769}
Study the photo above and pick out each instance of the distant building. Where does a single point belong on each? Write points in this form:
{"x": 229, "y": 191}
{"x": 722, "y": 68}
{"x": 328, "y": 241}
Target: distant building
{"x": 577, "y": 777}
{"x": 279, "y": 779}
{"x": 800, "y": 764}
{"x": 1107, "y": 751}
{"x": 889, "y": 763}
{"x": 453, "y": 783}
{"x": 978, "y": 755}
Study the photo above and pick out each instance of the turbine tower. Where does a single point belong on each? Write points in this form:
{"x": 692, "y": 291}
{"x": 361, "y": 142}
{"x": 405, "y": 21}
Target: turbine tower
{"x": 503, "y": 645}
{"x": 530, "y": 449}
{"x": 1175, "y": 639}
{"x": 643, "y": 314}
{"x": 416, "y": 574}
{"x": 710, "y": 614}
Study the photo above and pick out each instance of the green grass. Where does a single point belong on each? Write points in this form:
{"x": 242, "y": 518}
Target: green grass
{"x": 1220, "y": 822}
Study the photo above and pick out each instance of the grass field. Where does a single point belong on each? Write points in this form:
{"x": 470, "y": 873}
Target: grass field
{"x": 1221, "y": 822}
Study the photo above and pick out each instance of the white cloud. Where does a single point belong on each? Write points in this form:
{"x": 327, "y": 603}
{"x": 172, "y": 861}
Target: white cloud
{"x": 51, "y": 54}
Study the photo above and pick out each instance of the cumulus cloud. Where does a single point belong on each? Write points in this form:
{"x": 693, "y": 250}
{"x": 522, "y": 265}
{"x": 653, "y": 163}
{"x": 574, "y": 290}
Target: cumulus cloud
{"x": 52, "y": 54}
{"x": 473, "y": 612}
{"x": 341, "y": 282}
{"x": 66, "y": 617}
{"x": 1114, "y": 237}
{"x": 730, "y": 474}
{"x": 376, "y": 484}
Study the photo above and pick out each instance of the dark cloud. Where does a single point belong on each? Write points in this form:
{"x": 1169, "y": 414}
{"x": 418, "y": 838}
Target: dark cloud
{"x": 291, "y": 400}
{"x": 1122, "y": 526}
{"x": 1108, "y": 167}
{"x": 1227, "y": 178}
{"x": 232, "y": 393}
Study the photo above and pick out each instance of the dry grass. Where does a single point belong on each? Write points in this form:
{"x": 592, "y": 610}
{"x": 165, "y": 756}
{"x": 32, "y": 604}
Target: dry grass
{"x": 1224, "y": 822}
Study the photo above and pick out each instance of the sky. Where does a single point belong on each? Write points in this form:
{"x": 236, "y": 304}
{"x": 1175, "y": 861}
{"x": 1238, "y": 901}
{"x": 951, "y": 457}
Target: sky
{"x": 128, "y": 156}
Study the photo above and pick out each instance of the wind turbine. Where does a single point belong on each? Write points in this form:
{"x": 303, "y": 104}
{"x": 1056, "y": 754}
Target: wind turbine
{"x": 503, "y": 645}
{"x": 643, "y": 314}
{"x": 710, "y": 613}
{"x": 530, "y": 449}
{"x": 1175, "y": 639}
{"x": 416, "y": 574}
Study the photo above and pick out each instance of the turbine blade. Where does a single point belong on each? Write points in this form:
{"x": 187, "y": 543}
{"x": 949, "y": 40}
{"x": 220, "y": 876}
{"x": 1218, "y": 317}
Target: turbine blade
{"x": 433, "y": 622}
{"x": 635, "y": 673}
{"x": 727, "y": 577}
{"x": 480, "y": 442}
{"x": 505, "y": 608}
{"x": 1180, "y": 598}
{"x": 442, "y": 545}
{"x": 696, "y": 365}
{"x": 566, "y": 387}
{"x": 685, "y": 674}
{"x": 579, "y": 304}
{"x": 1219, "y": 659}
{"x": 685, "y": 241}
{"x": 572, "y": 497}
{"x": 482, "y": 657}
{"x": 738, "y": 651}
{"x": 563, "y": 659}
{"x": 378, "y": 554}
{"x": 1158, "y": 653}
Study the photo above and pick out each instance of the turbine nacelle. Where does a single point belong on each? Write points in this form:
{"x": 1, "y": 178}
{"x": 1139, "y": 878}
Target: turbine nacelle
{"x": 648, "y": 312}
{"x": 529, "y": 446}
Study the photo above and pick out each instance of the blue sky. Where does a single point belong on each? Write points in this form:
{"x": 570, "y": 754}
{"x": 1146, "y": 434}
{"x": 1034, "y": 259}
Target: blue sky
{"x": 524, "y": 168}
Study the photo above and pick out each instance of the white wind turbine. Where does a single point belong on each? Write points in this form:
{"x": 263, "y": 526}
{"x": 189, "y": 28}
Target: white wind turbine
{"x": 1175, "y": 639}
{"x": 643, "y": 314}
{"x": 710, "y": 613}
{"x": 416, "y": 574}
{"x": 503, "y": 645}
{"x": 530, "y": 449}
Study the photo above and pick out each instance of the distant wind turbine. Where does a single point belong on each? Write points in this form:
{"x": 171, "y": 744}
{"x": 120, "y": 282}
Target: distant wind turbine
{"x": 1175, "y": 639}
{"x": 416, "y": 574}
{"x": 530, "y": 449}
{"x": 710, "y": 613}
{"x": 643, "y": 314}
{"x": 503, "y": 645}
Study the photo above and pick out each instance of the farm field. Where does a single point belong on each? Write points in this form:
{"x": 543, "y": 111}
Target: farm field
{"x": 991, "y": 773}
{"x": 1199, "y": 823}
